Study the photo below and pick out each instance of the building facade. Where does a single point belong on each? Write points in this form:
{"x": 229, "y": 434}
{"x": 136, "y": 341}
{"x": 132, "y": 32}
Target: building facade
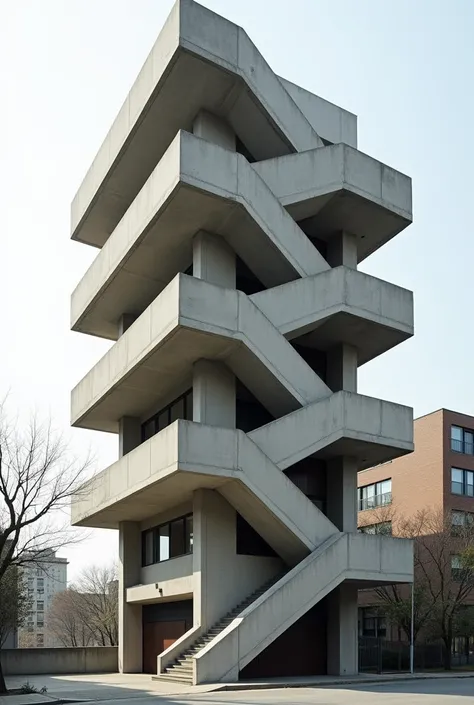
{"x": 231, "y": 209}
{"x": 43, "y": 578}
{"x": 437, "y": 476}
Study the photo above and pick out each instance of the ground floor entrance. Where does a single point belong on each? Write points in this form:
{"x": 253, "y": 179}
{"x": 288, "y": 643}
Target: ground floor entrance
{"x": 163, "y": 624}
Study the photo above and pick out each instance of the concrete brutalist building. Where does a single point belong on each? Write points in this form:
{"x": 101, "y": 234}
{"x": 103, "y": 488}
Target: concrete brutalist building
{"x": 230, "y": 209}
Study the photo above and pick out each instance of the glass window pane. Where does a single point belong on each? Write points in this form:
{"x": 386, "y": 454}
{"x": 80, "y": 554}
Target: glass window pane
{"x": 457, "y": 518}
{"x": 456, "y": 562}
{"x": 457, "y": 439}
{"x": 148, "y": 550}
{"x": 148, "y": 429}
{"x": 468, "y": 442}
{"x": 177, "y": 538}
{"x": 164, "y": 538}
{"x": 189, "y": 534}
{"x": 469, "y": 483}
{"x": 386, "y": 486}
{"x": 188, "y": 411}
{"x": 163, "y": 419}
{"x": 177, "y": 410}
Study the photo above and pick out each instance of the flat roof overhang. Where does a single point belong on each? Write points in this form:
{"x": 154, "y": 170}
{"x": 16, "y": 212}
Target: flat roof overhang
{"x": 337, "y": 188}
{"x": 196, "y": 186}
{"x": 200, "y": 61}
{"x": 338, "y": 306}
{"x": 345, "y": 424}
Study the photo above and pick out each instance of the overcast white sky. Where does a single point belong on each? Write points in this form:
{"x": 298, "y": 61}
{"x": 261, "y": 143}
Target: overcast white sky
{"x": 405, "y": 68}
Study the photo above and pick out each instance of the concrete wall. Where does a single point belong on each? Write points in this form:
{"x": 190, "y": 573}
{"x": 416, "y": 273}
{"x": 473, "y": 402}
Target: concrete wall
{"x": 88, "y": 659}
{"x": 223, "y": 578}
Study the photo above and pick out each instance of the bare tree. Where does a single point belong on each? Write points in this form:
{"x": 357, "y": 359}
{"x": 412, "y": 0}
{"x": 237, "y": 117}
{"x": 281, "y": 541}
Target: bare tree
{"x": 98, "y": 586}
{"x": 38, "y": 477}
{"x": 444, "y": 576}
{"x": 14, "y": 603}
{"x": 65, "y": 619}
{"x": 87, "y": 613}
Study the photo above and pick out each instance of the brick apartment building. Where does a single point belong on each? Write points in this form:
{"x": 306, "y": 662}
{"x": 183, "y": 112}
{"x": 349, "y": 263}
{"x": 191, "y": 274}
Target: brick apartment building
{"x": 439, "y": 474}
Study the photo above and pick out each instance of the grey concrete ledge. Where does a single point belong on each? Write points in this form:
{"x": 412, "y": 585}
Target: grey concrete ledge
{"x": 196, "y": 186}
{"x": 336, "y": 188}
{"x": 206, "y": 60}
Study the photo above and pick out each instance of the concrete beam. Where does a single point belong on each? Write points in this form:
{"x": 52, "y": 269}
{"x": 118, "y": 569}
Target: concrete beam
{"x": 365, "y": 428}
{"x": 188, "y": 321}
{"x": 204, "y": 60}
{"x": 341, "y": 306}
{"x": 338, "y": 188}
{"x": 196, "y": 184}
{"x": 185, "y": 457}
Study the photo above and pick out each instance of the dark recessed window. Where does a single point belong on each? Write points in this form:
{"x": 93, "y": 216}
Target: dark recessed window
{"x": 180, "y": 408}
{"x": 170, "y": 540}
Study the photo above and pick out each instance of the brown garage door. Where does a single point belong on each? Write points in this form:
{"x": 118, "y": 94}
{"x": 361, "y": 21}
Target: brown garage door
{"x": 157, "y": 636}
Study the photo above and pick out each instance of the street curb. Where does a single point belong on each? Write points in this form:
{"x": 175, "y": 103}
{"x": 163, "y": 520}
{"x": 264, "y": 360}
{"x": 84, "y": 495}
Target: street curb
{"x": 330, "y": 684}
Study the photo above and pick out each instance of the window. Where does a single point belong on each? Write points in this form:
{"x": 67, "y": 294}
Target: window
{"x": 40, "y": 623}
{"x": 456, "y": 568}
{"x": 383, "y": 527}
{"x": 175, "y": 538}
{"x": 462, "y": 440}
{"x": 372, "y": 623}
{"x": 40, "y": 582}
{"x": 40, "y": 606}
{"x": 460, "y": 522}
{"x": 462, "y": 482}
{"x": 180, "y": 408}
{"x": 40, "y": 640}
{"x": 376, "y": 495}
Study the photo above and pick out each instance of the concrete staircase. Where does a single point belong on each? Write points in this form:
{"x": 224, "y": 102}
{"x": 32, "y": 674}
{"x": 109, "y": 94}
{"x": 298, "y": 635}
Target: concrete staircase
{"x": 181, "y": 671}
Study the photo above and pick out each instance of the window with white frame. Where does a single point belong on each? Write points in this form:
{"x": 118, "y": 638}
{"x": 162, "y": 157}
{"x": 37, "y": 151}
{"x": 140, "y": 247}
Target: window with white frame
{"x": 375, "y": 495}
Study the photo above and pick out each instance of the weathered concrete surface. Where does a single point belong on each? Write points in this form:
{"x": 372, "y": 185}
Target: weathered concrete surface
{"x": 338, "y": 188}
{"x": 212, "y": 62}
{"x": 87, "y": 659}
{"x": 343, "y": 557}
{"x": 195, "y": 186}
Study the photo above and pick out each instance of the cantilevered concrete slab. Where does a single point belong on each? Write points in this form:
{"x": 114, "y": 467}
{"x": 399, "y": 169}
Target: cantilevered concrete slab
{"x": 345, "y": 557}
{"x": 196, "y": 186}
{"x": 338, "y": 188}
{"x": 187, "y": 456}
{"x": 199, "y": 61}
{"x": 341, "y": 305}
{"x": 370, "y": 430}
{"x": 190, "y": 320}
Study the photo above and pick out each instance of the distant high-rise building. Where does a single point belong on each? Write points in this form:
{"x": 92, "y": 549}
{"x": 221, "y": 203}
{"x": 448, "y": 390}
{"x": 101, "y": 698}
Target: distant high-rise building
{"x": 43, "y": 577}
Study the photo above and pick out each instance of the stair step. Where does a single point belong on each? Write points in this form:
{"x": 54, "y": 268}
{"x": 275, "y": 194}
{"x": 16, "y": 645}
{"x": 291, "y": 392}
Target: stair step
{"x": 172, "y": 679}
{"x": 179, "y": 668}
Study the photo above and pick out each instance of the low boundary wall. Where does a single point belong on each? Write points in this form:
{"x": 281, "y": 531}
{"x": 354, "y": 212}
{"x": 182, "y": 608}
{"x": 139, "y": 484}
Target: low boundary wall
{"x": 83, "y": 659}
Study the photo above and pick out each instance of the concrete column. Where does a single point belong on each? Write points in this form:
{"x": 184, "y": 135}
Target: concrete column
{"x": 213, "y": 260}
{"x": 130, "y": 615}
{"x": 342, "y": 250}
{"x": 213, "y": 394}
{"x": 341, "y": 493}
{"x": 214, "y": 129}
{"x": 341, "y": 368}
{"x": 130, "y": 434}
{"x": 125, "y": 321}
{"x": 342, "y": 640}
